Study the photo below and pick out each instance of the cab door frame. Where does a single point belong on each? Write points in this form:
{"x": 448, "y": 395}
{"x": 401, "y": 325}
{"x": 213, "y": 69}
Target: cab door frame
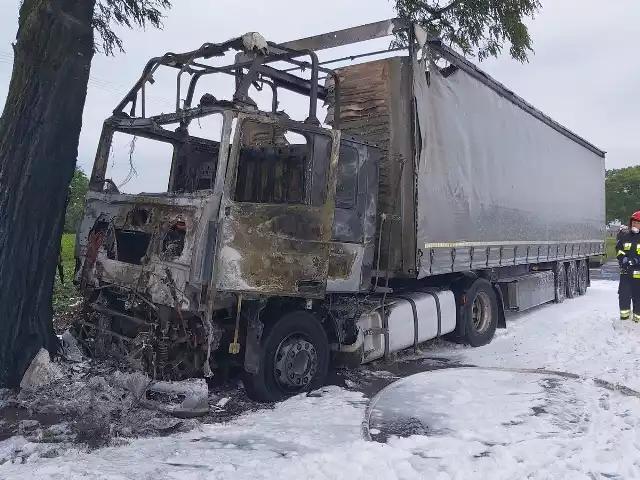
{"x": 278, "y": 249}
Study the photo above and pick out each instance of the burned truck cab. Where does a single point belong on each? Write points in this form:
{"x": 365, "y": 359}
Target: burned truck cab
{"x": 252, "y": 237}
{"x": 295, "y": 219}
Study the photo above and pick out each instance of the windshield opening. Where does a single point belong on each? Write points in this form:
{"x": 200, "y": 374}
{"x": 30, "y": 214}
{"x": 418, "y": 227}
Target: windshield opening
{"x": 172, "y": 161}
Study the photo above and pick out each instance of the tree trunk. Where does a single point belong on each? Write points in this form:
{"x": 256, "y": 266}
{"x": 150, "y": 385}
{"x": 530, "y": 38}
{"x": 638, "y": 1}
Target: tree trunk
{"x": 39, "y": 134}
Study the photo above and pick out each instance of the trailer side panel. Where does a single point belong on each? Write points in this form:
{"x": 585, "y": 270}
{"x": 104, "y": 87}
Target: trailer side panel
{"x": 497, "y": 186}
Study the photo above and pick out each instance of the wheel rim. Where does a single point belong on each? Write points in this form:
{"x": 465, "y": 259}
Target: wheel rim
{"x": 481, "y": 312}
{"x": 296, "y": 363}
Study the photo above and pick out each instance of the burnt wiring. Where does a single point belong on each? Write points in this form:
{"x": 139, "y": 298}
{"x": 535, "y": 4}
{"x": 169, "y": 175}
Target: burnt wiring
{"x": 177, "y": 303}
{"x": 132, "y": 169}
{"x": 206, "y": 323}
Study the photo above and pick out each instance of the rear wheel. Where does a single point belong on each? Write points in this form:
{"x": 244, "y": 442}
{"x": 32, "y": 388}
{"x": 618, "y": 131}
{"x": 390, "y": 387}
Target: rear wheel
{"x": 479, "y": 313}
{"x": 583, "y": 276}
{"x": 294, "y": 358}
{"x": 561, "y": 283}
{"x": 572, "y": 280}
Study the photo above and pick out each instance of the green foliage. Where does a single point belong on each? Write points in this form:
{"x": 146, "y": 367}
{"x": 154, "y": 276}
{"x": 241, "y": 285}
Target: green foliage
{"x": 476, "y": 27}
{"x": 64, "y": 295}
{"x": 610, "y": 244}
{"x": 77, "y": 191}
{"x": 125, "y": 13}
{"x": 622, "y": 193}
{"x": 67, "y": 246}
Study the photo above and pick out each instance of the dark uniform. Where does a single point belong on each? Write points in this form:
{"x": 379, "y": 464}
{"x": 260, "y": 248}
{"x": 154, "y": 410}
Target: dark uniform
{"x": 628, "y": 254}
{"x": 623, "y": 230}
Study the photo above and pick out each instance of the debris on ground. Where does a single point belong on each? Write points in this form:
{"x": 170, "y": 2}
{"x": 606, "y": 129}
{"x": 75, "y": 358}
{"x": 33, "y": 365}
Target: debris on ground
{"x": 67, "y": 318}
{"x": 75, "y": 400}
{"x": 184, "y": 399}
{"x": 41, "y": 372}
{"x": 95, "y": 403}
{"x": 70, "y": 348}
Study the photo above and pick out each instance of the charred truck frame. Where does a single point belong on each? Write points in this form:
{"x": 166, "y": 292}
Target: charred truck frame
{"x": 419, "y": 213}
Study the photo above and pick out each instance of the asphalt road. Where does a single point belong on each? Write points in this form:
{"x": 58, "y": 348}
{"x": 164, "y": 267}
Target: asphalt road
{"x": 608, "y": 271}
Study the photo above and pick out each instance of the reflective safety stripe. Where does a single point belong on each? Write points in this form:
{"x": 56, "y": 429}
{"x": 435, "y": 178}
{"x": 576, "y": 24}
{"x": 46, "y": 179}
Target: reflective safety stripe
{"x": 621, "y": 252}
{"x": 625, "y": 313}
{"x": 638, "y": 249}
{"x": 636, "y": 318}
{"x": 636, "y": 274}
{"x": 626, "y": 246}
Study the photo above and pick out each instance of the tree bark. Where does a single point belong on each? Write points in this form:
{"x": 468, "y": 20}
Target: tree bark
{"x": 39, "y": 134}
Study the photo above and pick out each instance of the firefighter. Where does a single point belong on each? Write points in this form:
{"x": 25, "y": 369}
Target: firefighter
{"x": 628, "y": 254}
{"x": 623, "y": 229}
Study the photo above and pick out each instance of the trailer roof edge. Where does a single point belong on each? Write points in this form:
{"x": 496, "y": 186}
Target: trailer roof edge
{"x": 388, "y": 27}
{"x": 471, "y": 69}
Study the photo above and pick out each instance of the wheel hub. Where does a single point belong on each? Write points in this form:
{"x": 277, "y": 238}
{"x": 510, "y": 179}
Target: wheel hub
{"x": 481, "y": 312}
{"x": 296, "y": 363}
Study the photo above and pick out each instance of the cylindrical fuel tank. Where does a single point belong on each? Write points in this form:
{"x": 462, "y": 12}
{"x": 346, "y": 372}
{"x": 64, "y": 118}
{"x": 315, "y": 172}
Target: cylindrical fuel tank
{"x": 412, "y": 318}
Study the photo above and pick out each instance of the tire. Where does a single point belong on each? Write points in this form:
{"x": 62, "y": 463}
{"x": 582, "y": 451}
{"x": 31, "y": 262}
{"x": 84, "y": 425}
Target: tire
{"x": 561, "y": 282}
{"x": 572, "y": 280}
{"x": 479, "y": 314}
{"x": 299, "y": 335}
{"x": 583, "y": 277}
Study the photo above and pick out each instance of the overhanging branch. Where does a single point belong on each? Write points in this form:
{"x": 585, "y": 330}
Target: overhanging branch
{"x": 437, "y": 13}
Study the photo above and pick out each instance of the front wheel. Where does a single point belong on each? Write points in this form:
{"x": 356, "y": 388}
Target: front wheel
{"x": 479, "y": 313}
{"x": 294, "y": 358}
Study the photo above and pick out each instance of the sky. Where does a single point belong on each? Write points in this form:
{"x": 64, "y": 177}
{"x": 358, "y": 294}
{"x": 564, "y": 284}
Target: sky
{"x": 581, "y": 73}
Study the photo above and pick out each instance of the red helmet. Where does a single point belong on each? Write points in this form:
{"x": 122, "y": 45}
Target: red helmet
{"x": 636, "y": 217}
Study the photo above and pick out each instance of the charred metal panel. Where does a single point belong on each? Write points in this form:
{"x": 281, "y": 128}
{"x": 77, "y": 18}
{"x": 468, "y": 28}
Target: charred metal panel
{"x": 348, "y": 36}
{"x": 174, "y": 229}
{"x": 194, "y": 167}
{"x": 277, "y": 248}
{"x": 356, "y": 193}
{"x": 354, "y": 223}
{"x": 347, "y": 226}
{"x": 271, "y": 250}
{"x": 272, "y": 174}
{"x": 345, "y": 268}
{"x": 376, "y": 106}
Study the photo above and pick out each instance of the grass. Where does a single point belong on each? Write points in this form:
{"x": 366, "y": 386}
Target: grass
{"x": 610, "y": 250}
{"x": 610, "y": 244}
{"x": 65, "y": 295}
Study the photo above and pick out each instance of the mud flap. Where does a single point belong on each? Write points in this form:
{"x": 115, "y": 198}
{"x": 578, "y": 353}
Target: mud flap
{"x": 502, "y": 317}
{"x": 255, "y": 328}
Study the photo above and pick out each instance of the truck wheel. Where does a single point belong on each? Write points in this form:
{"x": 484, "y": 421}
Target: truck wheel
{"x": 294, "y": 358}
{"x": 561, "y": 282}
{"x": 480, "y": 313}
{"x": 572, "y": 280}
{"x": 583, "y": 276}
